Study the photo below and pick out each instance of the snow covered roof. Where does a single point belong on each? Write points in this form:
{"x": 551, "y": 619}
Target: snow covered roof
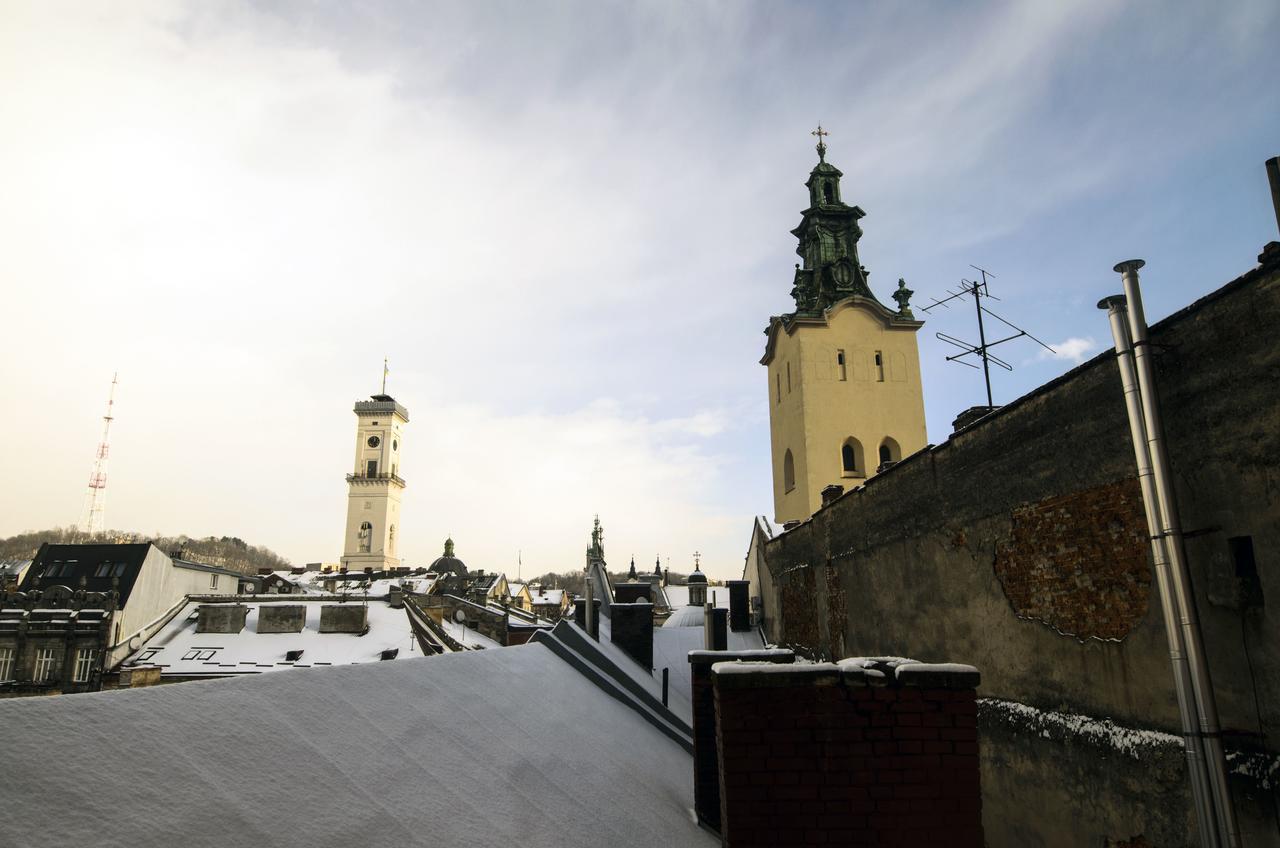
{"x": 548, "y": 596}
{"x": 180, "y": 651}
{"x": 383, "y": 754}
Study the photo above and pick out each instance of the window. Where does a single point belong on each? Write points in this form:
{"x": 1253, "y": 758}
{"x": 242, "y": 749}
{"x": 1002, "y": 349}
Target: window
{"x": 213, "y": 581}
{"x": 6, "y": 664}
{"x": 366, "y": 537}
{"x": 879, "y": 367}
{"x": 118, "y": 571}
{"x": 788, "y": 472}
{"x": 840, "y": 365}
{"x": 851, "y": 458}
{"x": 777, "y": 379}
{"x": 45, "y": 658}
{"x": 103, "y": 570}
{"x": 85, "y": 658}
{"x": 371, "y": 469}
{"x": 54, "y": 570}
{"x": 788, "y": 378}
{"x": 889, "y": 453}
{"x": 827, "y": 194}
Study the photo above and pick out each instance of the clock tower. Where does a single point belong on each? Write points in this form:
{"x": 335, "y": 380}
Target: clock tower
{"x": 374, "y": 486}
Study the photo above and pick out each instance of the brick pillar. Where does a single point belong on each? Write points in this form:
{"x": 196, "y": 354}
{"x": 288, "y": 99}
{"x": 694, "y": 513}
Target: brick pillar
{"x": 859, "y": 753}
{"x": 715, "y": 628}
{"x": 706, "y": 760}
{"x": 631, "y": 629}
{"x": 739, "y": 605}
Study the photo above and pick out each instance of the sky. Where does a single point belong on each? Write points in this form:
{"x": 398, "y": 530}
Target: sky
{"x": 566, "y": 226}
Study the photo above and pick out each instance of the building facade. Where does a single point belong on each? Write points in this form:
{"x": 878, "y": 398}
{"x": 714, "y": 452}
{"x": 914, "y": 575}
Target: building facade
{"x": 845, "y": 397}
{"x": 375, "y": 486}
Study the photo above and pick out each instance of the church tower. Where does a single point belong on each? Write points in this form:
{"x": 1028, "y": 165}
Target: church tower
{"x": 374, "y": 486}
{"x": 845, "y": 399}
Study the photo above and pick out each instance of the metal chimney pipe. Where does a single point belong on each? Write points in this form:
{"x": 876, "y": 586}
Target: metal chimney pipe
{"x": 1183, "y": 592}
{"x": 1201, "y": 787}
{"x": 1273, "y": 176}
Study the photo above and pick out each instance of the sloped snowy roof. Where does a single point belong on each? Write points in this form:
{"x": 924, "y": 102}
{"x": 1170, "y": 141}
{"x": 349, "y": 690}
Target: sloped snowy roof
{"x": 548, "y": 596}
{"x": 678, "y": 596}
{"x": 397, "y": 753}
{"x": 180, "y": 651}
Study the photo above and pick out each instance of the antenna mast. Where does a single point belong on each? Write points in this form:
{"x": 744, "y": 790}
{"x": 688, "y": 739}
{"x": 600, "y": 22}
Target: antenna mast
{"x": 982, "y": 349}
{"x": 96, "y": 497}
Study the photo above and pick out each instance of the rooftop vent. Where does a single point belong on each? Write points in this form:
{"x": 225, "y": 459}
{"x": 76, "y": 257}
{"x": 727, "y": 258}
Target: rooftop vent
{"x": 389, "y": 653}
{"x": 292, "y": 656}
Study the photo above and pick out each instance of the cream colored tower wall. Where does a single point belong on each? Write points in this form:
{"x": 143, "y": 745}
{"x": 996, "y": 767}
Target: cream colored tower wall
{"x": 375, "y": 498}
{"x": 830, "y": 403}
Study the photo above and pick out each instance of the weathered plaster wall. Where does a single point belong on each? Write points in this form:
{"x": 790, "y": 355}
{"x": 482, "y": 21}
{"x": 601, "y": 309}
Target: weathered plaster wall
{"x": 1017, "y": 544}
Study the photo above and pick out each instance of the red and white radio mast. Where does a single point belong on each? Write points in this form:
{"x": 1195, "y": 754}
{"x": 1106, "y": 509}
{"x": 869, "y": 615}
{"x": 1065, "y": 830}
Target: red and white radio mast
{"x": 95, "y": 499}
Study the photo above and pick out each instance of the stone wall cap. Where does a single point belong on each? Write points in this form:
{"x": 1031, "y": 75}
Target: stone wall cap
{"x": 771, "y": 655}
{"x": 767, "y": 675}
{"x": 939, "y": 675}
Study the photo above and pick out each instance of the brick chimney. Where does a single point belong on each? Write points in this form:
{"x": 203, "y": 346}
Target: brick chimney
{"x": 739, "y": 605}
{"x": 885, "y": 751}
{"x": 706, "y": 758}
{"x": 631, "y": 629}
{"x": 715, "y": 622}
{"x": 831, "y": 493}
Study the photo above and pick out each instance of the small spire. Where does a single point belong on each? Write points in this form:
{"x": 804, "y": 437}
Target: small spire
{"x": 631, "y": 575}
{"x": 822, "y": 145}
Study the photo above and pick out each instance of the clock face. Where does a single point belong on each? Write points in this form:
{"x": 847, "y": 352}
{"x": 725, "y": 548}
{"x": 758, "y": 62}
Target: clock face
{"x": 374, "y": 441}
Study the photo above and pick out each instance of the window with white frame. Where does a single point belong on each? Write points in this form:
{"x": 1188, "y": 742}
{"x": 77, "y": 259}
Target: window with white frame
{"x": 213, "y": 581}
{"x": 6, "y": 664}
{"x": 85, "y": 658}
{"x": 45, "y": 659}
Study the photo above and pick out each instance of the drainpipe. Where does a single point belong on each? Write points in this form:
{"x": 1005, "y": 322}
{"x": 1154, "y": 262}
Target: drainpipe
{"x": 1201, "y": 788}
{"x": 1170, "y": 528}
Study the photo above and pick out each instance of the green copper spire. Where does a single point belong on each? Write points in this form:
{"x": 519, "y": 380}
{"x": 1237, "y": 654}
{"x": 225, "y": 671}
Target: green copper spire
{"x": 828, "y": 242}
{"x": 448, "y": 547}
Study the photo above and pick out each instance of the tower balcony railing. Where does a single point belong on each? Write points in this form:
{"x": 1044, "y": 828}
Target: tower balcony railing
{"x": 368, "y": 478}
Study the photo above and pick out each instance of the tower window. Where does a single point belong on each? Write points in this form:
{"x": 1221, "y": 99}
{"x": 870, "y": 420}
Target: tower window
{"x": 788, "y": 378}
{"x": 788, "y": 472}
{"x": 889, "y": 453}
{"x": 371, "y": 468}
{"x": 366, "y": 537}
{"x": 777, "y": 379}
{"x": 840, "y": 365}
{"x": 828, "y": 194}
{"x": 851, "y": 458}
{"x": 879, "y": 367}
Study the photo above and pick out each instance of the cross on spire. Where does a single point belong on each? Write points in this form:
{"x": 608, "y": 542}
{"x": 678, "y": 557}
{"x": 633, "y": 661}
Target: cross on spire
{"x": 822, "y": 145}
{"x": 697, "y": 561}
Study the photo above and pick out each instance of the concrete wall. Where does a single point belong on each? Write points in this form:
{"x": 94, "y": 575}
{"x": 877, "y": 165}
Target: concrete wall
{"x": 1017, "y": 544}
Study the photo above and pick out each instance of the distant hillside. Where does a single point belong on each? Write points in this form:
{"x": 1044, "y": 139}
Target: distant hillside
{"x": 226, "y": 551}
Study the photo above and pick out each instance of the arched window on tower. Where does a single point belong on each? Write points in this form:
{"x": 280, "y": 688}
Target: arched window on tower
{"x": 889, "y": 453}
{"x": 851, "y": 462}
{"x": 366, "y": 537}
{"x": 788, "y": 472}
{"x": 828, "y": 193}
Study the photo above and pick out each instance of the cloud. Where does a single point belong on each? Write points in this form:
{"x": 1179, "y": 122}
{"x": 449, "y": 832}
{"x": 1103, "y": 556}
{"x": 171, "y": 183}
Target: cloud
{"x": 1073, "y": 349}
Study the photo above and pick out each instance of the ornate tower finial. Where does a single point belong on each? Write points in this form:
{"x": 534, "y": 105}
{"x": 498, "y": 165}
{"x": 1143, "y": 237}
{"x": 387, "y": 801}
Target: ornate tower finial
{"x": 697, "y": 561}
{"x": 903, "y": 296}
{"x": 822, "y": 145}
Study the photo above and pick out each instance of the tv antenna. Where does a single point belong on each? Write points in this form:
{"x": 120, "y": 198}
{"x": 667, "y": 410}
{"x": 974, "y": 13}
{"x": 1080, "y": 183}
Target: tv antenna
{"x": 982, "y": 350}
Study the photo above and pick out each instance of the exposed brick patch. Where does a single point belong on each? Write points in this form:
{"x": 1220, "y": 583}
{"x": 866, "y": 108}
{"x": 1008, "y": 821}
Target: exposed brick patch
{"x": 837, "y": 612}
{"x": 1078, "y": 562}
{"x": 798, "y": 595}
